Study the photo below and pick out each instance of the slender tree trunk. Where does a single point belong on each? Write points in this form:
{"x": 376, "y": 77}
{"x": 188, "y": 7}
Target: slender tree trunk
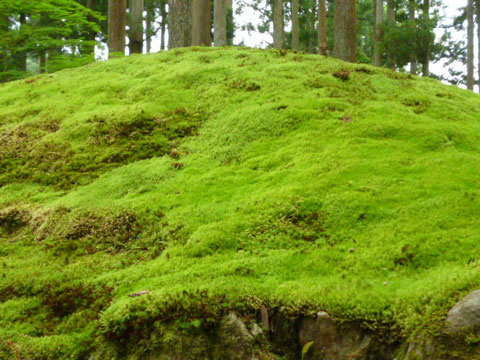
{"x": 345, "y": 34}
{"x": 163, "y": 25}
{"x": 43, "y": 61}
{"x": 413, "y": 58}
{"x": 202, "y": 22}
{"x": 22, "y": 55}
{"x": 150, "y": 18}
{"x": 90, "y": 49}
{"x": 220, "y": 23}
{"x": 426, "y": 53}
{"x": 391, "y": 19}
{"x": 377, "y": 58}
{"x": 478, "y": 38}
{"x": 295, "y": 26}
{"x": 116, "y": 25}
{"x": 278, "y": 25}
{"x": 180, "y": 23}
{"x": 230, "y": 24}
{"x": 311, "y": 28}
{"x": 135, "y": 33}
{"x": 470, "y": 46}
{"x": 322, "y": 27}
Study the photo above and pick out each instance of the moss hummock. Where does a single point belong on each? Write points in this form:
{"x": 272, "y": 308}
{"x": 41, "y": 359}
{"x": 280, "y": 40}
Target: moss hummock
{"x": 224, "y": 179}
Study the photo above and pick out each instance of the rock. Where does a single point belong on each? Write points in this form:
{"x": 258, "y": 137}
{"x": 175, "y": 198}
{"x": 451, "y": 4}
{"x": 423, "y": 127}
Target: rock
{"x": 339, "y": 342}
{"x": 421, "y": 349}
{"x": 464, "y": 316}
{"x": 264, "y": 317}
{"x": 236, "y": 340}
{"x": 256, "y": 330}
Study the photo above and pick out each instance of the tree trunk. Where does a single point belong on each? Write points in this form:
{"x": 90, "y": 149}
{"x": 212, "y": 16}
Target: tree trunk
{"x": 179, "y": 23}
{"x": 478, "y": 38}
{"x": 230, "y": 23}
{"x": 426, "y": 47}
{"x": 220, "y": 23}
{"x": 43, "y": 61}
{"x": 377, "y": 58}
{"x": 163, "y": 25}
{"x": 413, "y": 57}
{"x": 22, "y": 55}
{"x": 345, "y": 34}
{"x": 322, "y": 27}
{"x": 202, "y": 23}
{"x": 295, "y": 26}
{"x": 135, "y": 33}
{"x": 92, "y": 34}
{"x": 278, "y": 24}
{"x": 391, "y": 11}
{"x": 116, "y": 25}
{"x": 470, "y": 46}
{"x": 150, "y": 9}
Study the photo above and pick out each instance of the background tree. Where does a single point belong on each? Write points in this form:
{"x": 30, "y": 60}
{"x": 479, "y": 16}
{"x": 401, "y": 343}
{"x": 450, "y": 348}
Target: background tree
{"x": 116, "y": 26}
{"x": 135, "y": 32}
{"x": 220, "y": 23}
{"x": 295, "y": 26}
{"x": 322, "y": 27}
{"x": 345, "y": 35}
{"x": 202, "y": 22}
{"x": 179, "y": 23}
{"x": 278, "y": 24}
{"x": 378, "y": 32}
{"x": 470, "y": 46}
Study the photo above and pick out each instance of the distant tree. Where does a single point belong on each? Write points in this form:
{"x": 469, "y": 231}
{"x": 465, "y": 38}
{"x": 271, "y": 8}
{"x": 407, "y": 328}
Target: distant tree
{"x": 202, "y": 22}
{"x": 477, "y": 3}
{"x": 295, "y": 26}
{"x": 470, "y": 46}
{"x": 412, "y": 6}
{"x": 180, "y": 23}
{"x": 116, "y": 26}
{"x": 220, "y": 23}
{"x": 135, "y": 32}
{"x": 278, "y": 24}
{"x": 378, "y": 33}
{"x": 345, "y": 35}
{"x": 322, "y": 27}
{"x": 427, "y": 41}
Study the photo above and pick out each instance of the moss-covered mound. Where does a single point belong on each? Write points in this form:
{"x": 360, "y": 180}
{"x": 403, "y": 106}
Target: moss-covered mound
{"x": 230, "y": 179}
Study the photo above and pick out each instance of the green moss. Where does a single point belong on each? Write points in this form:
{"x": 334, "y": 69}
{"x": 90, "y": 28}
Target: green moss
{"x": 250, "y": 176}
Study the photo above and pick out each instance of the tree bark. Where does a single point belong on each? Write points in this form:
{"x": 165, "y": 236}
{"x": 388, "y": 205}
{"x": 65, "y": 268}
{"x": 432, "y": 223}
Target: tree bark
{"x": 426, "y": 47}
{"x": 90, "y": 49}
{"x": 470, "y": 46}
{"x": 230, "y": 23}
{"x": 322, "y": 27}
{"x": 478, "y": 39}
{"x": 278, "y": 25}
{"x": 295, "y": 26}
{"x": 345, "y": 34}
{"x": 413, "y": 57}
{"x": 179, "y": 23}
{"x": 377, "y": 58}
{"x": 150, "y": 18}
{"x": 220, "y": 23}
{"x": 163, "y": 25}
{"x": 391, "y": 11}
{"x": 202, "y": 23}
{"x": 22, "y": 55}
{"x": 116, "y": 25}
{"x": 135, "y": 33}
{"x": 43, "y": 61}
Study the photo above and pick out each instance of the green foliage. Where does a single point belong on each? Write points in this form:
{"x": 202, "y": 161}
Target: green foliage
{"x": 304, "y": 192}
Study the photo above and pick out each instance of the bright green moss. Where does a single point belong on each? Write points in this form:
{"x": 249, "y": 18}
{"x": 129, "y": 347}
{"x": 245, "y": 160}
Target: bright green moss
{"x": 250, "y": 176}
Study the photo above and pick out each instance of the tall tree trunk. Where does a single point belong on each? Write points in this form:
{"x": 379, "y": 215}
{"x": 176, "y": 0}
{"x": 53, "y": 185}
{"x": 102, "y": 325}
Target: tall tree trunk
{"x": 345, "y": 34}
{"x": 391, "y": 19}
{"x": 470, "y": 46}
{"x": 426, "y": 47}
{"x": 377, "y": 58}
{"x": 230, "y": 23}
{"x": 150, "y": 18}
{"x": 135, "y": 33}
{"x": 311, "y": 28}
{"x": 295, "y": 26}
{"x": 179, "y": 23}
{"x": 322, "y": 27}
{"x": 116, "y": 25}
{"x": 278, "y": 25}
{"x": 220, "y": 23}
{"x": 202, "y": 22}
{"x": 90, "y": 49}
{"x": 22, "y": 55}
{"x": 413, "y": 58}
{"x": 478, "y": 38}
{"x": 163, "y": 25}
{"x": 43, "y": 61}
